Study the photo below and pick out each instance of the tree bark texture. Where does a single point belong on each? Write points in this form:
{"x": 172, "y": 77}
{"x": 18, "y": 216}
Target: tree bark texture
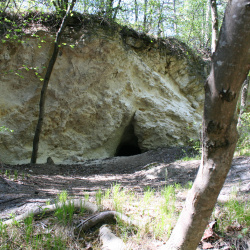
{"x": 215, "y": 25}
{"x": 230, "y": 66}
{"x": 46, "y": 82}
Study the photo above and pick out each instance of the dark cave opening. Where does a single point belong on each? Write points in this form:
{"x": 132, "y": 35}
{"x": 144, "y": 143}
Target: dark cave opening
{"x": 129, "y": 143}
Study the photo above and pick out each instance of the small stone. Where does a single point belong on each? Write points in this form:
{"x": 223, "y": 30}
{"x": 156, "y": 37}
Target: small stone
{"x": 50, "y": 161}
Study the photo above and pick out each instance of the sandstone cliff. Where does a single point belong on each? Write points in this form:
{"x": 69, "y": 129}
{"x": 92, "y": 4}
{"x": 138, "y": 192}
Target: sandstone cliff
{"x": 112, "y": 92}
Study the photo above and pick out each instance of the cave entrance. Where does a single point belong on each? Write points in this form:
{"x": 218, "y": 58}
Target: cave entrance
{"x": 129, "y": 143}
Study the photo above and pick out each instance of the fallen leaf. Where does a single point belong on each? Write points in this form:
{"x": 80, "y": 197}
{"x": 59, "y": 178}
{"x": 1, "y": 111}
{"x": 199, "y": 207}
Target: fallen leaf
{"x": 207, "y": 245}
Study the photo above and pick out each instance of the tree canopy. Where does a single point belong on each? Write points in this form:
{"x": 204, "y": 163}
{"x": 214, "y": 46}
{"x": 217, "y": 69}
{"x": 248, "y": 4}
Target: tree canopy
{"x": 190, "y": 21}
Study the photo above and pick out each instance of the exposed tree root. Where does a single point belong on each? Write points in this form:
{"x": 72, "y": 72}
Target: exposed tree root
{"x": 109, "y": 240}
{"x": 78, "y": 203}
{"x": 105, "y": 217}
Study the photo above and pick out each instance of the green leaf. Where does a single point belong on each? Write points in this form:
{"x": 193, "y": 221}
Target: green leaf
{"x": 19, "y": 75}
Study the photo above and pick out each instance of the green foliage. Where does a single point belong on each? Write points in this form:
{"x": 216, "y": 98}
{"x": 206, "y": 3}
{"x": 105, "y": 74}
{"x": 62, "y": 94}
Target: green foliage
{"x": 148, "y": 195}
{"x": 194, "y": 153}
{"x": 118, "y": 196}
{"x": 156, "y": 209}
{"x": 64, "y": 213}
{"x": 189, "y": 185}
{"x": 98, "y": 197}
{"x": 243, "y": 145}
{"x": 5, "y": 129}
{"x": 168, "y": 193}
{"x": 234, "y": 214}
{"x": 189, "y": 21}
{"x": 28, "y": 227}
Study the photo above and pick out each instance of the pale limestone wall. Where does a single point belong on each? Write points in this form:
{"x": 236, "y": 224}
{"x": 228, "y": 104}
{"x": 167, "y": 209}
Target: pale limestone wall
{"x": 97, "y": 89}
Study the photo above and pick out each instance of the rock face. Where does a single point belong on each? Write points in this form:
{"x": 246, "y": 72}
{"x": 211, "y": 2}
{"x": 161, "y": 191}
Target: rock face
{"x": 112, "y": 92}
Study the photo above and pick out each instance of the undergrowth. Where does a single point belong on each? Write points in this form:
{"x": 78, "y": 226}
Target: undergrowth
{"x": 243, "y": 144}
{"x": 232, "y": 219}
{"x": 242, "y": 147}
{"x": 156, "y": 210}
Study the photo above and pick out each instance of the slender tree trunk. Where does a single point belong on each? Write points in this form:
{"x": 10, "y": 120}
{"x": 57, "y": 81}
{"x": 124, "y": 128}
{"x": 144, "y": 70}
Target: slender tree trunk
{"x": 6, "y": 4}
{"x": 109, "y": 8}
{"x": 159, "y": 23}
{"x": 243, "y": 103}
{"x": 230, "y": 66}
{"x": 136, "y": 11}
{"x": 207, "y": 29}
{"x": 46, "y": 82}
{"x": 215, "y": 25}
{"x": 175, "y": 17}
{"x": 145, "y": 8}
{"x": 116, "y": 9}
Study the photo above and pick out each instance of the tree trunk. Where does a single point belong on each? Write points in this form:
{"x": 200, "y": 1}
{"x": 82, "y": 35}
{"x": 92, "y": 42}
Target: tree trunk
{"x": 136, "y": 11}
{"x": 4, "y": 6}
{"x": 230, "y": 65}
{"x": 109, "y": 8}
{"x": 175, "y": 18}
{"x": 46, "y": 82}
{"x": 145, "y": 8}
{"x": 116, "y": 9}
{"x": 160, "y": 18}
{"x": 207, "y": 29}
{"x": 243, "y": 103}
{"x": 215, "y": 25}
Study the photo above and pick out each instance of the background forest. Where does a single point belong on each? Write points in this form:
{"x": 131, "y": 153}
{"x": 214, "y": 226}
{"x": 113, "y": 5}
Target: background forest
{"x": 196, "y": 23}
{"x": 190, "y": 21}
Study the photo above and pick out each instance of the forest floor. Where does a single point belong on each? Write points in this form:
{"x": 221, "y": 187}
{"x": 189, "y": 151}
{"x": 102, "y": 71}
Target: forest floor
{"x": 26, "y": 186}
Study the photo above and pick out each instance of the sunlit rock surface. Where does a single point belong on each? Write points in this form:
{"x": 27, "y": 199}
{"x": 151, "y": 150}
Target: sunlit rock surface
{"x": 115, "y": 92}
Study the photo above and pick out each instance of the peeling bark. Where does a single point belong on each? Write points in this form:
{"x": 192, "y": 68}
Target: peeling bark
{"x": 230, "y": 66}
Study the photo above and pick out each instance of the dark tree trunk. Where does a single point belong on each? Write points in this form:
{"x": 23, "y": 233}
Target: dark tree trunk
{"x": 46, "y": 82}
{"x": 116, "y": 9}
{"x": 230, "y": 66}
{"x": 159, "y": 22}
{"x": 145, "y": 8}
{"x": 215, "y": 24}
{"x": 136, "y": 11}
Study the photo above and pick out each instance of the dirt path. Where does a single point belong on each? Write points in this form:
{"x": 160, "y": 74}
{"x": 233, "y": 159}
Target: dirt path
{"x": 37, "y": 183}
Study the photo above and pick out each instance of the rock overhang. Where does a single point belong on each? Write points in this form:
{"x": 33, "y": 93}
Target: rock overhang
{"x": 105, "y": 81}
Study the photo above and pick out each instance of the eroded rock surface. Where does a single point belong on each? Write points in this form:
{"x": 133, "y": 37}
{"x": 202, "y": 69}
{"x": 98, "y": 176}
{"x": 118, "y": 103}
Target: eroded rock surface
{"x": 114, "y": 93}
